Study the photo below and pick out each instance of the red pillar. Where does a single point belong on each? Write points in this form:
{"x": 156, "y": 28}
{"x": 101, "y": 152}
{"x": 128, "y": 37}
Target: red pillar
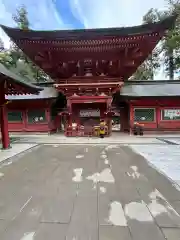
{"x": 69, "y": 107}
{"x": 131, "y": 117}
{"x": 4, "y": 119}
{"x": 70, "y": 120}
{"x": 4, "y": 128}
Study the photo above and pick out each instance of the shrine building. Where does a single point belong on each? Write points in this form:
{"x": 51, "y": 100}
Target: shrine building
{"x": 11, "y": 84}
{"x": 90, "y": 70}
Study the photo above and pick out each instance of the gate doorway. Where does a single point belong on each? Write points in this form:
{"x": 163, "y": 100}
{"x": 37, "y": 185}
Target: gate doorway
{"x": 116, "y": 122}
{"x": 124, "y": 117}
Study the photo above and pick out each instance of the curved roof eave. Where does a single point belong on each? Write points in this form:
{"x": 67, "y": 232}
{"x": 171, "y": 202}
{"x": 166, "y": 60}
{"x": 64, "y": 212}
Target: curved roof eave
{"x": 14, "y": 78}
{"x": 46, "y": 93}
{"x": 164, "y": 24}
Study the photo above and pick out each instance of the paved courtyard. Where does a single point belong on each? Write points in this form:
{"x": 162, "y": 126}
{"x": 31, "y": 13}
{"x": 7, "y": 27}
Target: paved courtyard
{"x": 92, "y": 191}
{"x": 164, "y": 158}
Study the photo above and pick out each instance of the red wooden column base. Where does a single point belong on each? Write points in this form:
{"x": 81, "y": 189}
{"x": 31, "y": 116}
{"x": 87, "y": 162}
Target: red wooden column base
{"x": 4, "y": 128}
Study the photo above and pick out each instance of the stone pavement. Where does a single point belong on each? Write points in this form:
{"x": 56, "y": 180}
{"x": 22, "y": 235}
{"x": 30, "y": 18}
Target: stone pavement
{"x": 79, "y": 192}
{"x": 61, "y": 139}
{"x": 164, "y": 158}
{"x": 116, "y": 138}
{"x": 15, "y": 150}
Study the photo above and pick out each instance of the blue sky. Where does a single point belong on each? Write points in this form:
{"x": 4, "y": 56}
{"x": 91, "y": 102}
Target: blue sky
{"x": 72, "y": 14}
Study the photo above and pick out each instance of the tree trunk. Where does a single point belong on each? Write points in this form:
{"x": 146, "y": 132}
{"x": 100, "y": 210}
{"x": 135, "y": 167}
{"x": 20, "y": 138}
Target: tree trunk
{"x": 171, "y": 65}
{"x": 152, "y": 68}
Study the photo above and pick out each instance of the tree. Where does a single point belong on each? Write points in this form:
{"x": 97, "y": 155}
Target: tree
{"x": 143, "y": 73}
{"x": 1, "y": 45}
{"x": 5, "y": 56}
{"x": 172, "y": 41}
{"x": 148, "y": 69}
{"x": 169, "y": 46}
{"x": 30, "y": 69}
{"x": 21, "y": 18}
{"x": 6, "y": 59}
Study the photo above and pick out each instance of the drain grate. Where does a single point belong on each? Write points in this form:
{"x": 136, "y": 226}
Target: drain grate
{"x": 167, "y": 141}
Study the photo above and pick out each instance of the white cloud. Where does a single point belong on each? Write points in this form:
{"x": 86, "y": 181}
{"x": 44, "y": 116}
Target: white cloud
{"x": 112, "y": 13}
{"x": 92, "y": 13}
{"x": 41, "y": 13}
{"x": 6, "y": 19}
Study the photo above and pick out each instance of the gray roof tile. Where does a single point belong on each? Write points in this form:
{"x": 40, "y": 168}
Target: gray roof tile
{"x": 12, "y": 77}
{"x": 46, "y": 93}
{"x": 81, "y": 34}
{"x": 151, "y": 89}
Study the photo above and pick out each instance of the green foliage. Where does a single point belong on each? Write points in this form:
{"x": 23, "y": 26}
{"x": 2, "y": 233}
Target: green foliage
{"x": 172, "y": 43}
{"x": 169, "y": 47}
{"x": 1, "y": 45}
{"x": 152, "y": 64}
{"x": 21, "y": 18}
{"x": 6, "y": 59}
{"x": 142, "y": 73}
{"x": 153, "y": 15}
{"x": 15, "y": 59}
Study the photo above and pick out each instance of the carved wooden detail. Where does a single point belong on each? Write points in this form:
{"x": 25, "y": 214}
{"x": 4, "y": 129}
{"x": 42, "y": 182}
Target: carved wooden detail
{"x": 92, "y": 89}
{"x": 110, "y": 41}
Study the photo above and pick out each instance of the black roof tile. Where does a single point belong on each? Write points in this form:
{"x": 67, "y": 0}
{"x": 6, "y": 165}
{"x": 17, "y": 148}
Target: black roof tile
{"x": 80, "y": 34}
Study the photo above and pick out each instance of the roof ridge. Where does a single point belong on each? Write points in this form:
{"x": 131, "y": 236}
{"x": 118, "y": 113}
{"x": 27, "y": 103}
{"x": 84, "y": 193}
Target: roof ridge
{"x": 17, "y": 78}
{"x": 166, "y": 23}
{"x": 151, "y": 82}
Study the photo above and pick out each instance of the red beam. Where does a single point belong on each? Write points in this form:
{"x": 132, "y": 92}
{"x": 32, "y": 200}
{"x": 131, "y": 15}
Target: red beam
{"x": 88, "y": 85}
{"x": 81, "y": 80}
{"x": 95, "y": 100}
{"x": 65, "y": 57}
{"x": 90, "y": 97}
